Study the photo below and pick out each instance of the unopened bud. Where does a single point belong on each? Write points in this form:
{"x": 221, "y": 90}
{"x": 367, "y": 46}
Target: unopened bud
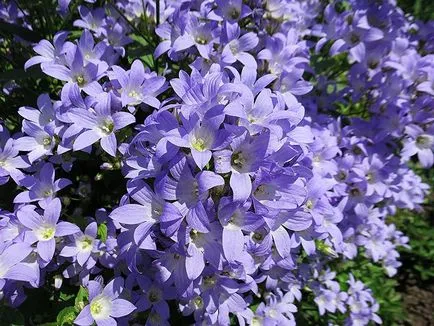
{"x": 106, "y": 166}
{"x": 58, "y": 280}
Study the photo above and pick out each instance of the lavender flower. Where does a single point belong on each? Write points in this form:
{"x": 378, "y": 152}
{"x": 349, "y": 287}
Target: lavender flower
{"x": 105, "y": 304}
{"x": 421, "y": 143}
{"x": 42, "y": 188}
{"x": 99, "y": 124}
{"x": 43, "y": 229}
{"x": 12, "y": 266}
{"x": 84, "y": 246}
{"x": 136, "y": 86}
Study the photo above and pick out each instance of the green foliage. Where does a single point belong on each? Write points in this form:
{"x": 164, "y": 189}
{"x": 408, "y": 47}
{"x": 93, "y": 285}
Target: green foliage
{"x": 81, "y": 298}
{"x": 420, "y": 9}
{"x": 102, "y": 232}
{"x": 66, "y": 316}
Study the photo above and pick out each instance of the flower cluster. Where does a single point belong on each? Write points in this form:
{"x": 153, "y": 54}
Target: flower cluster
{"x": 244, "y": 178}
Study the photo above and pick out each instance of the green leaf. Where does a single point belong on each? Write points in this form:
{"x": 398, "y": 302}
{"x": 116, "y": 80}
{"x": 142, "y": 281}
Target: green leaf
{"x": 148, "y": 60}
{"x": 66, "y": 296}
{"x": 102, "y": 232}
{"x": 139, "y": 39}
{"x": 66, "y": 316}
{"x": 254, "y": 307}
{"x": 81, "y": 298}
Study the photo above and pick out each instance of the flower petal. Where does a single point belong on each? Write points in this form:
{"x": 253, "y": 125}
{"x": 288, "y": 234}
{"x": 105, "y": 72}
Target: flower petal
{"x": 121, "y": 307}
{"x": 130, "y": 214}
{"x": 66, "y": 228}
{"x": 46, "y": 249}
{"x": 86, "y": 139}
{"x": 84, "y": 318}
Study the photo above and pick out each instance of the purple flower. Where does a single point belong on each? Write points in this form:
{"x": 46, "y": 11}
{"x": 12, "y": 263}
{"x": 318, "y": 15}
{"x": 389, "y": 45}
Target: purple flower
{"x": 91, "y": 20}
{"x": 39, "y": 142}
{"x": 99, "y": 124}
{"x": 154, "y": 297}
{"x": 49, "y": 53}
{"x": 43, "y": 229}
{"x": 329, "y": 300}
{"x": 200, "y": 137}
{"x": 277, "y": 190}
{"x": 42, "y": 116}
{"x": 91, "y": 52}
{"x": 232, "y": 10}
{"x": 277, "y": 310}
{"x": 137, "y": 86}
{"x": 12, "y": 266}
{"x": 237, "y": 46}
{"x": 43, "y": 188}
{"x": 235, "y": 218}
{"x": 192, "y": 191}
{"x": 86, "y": 76}
{"x": 149, "y": 211}
{"x": 245, "y": 156}
{"x": 420, "y": 143}
{"x": 84, "y": 246}
{"x": 198, "y": 34}
{"x": 104, "y": 304}
{"x": 10, "y": 162}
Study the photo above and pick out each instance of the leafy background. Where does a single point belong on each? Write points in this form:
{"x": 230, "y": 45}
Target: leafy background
{"x": 407, "y": 299}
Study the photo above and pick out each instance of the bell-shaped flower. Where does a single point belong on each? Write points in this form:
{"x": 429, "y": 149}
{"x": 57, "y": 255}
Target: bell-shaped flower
{"x": 43, "y": 187}
{"x": 420, "y": 143}
{"x": 237, "y": 47}
{"x": 201, "y": 137}
{"x": 39, "y": 142}
{"x": 137, "y": 85}
{"x": 99, "y": 124}
{"x": 104, "y": 304}
{"x": 244, "y": 158}
{"x": 83, "y": 246}
{"x": 43, "y": 229}
{"x": 149, "y": 211}
{"x": 11, "y": 163}
{"x": 12, "y": 266}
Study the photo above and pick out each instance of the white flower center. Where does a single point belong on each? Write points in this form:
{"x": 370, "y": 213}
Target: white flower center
{"x": 256, "y": 321}
{"x": 199, "y": 144}
{"x": 45, "y": 232}
{"x": 106, "y": 126}
{"x": 100, "y": 307}
{"x": 46, "y": 141}
{"x": 198, "y": 302}
{"x": 424, "y": 141}
{"x": 239, "y": 161}
{"x": 85, "y": 243}
{"x": 273, "y": 313}
{"x": 234, "y": 46}
{"x": 133, "y": 94}
{"x": 235, "y": 221}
